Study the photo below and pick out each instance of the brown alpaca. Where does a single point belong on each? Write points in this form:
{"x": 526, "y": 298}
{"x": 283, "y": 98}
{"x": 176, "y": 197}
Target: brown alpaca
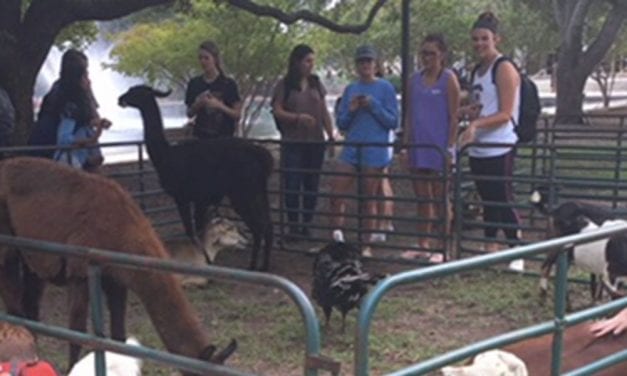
{"x": 43, "y": 200}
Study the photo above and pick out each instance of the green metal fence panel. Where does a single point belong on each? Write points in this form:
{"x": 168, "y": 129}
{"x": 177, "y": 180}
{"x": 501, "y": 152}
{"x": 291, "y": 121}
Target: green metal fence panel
{"x": 371, "y": 300}
{"x": 96, "y": 256}
{"x": 176, "y": 361}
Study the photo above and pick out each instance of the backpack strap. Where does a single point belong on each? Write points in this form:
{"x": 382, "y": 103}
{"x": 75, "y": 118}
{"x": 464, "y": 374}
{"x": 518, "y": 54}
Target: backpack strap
{"x": 496, "y": 64}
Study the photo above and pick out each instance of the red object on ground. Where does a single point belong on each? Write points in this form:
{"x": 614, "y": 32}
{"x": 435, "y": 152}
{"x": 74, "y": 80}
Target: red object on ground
{"x": 40, "y": 368}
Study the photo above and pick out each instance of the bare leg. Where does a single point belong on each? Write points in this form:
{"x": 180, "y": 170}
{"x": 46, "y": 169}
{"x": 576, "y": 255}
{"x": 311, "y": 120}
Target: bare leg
{"x": 341, "y": 185}
{"x": 372, "y": 183}
{"x": 423, "y": 188}
{"x": 386, "y": 207}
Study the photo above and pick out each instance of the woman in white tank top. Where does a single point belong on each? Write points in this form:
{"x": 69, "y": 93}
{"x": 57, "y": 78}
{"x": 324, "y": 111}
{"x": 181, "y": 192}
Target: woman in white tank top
{"x": 496, "y": 104}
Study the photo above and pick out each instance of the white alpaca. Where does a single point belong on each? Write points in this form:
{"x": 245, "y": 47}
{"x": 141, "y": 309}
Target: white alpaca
{"x": 221, "y": 234}
{"x": 116, "y": 364}
{"x": 490, "y": 363}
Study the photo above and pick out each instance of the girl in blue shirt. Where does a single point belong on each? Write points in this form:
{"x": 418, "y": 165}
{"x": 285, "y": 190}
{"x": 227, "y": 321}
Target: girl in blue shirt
{"x": 367, "y": 114}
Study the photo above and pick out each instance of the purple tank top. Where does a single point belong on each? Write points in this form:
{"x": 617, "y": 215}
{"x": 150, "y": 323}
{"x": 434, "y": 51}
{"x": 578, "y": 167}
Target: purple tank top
{"x": 429, "y": 121}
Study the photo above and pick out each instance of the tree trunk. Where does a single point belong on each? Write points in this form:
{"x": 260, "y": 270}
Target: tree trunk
{"x": 570, "y": 96}
{"x": 19, "y": 84}
{"x": 576, "y": 63}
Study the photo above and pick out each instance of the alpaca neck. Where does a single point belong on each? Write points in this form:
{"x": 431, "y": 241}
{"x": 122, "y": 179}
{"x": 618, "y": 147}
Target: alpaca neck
{"x": 175, "y": 319}
{"x": 154, "y": 136}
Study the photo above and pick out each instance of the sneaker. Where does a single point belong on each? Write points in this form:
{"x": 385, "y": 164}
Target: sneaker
{"x": 517, "y": 265}
{"x": 378, "y": 237}
{"x": 366, "y": 252}
{"x": 338, "y": 236}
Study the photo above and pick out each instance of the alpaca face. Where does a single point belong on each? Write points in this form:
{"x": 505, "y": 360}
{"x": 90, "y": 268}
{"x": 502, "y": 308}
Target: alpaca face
{"x": 136, "y": 96}
{"x": 208, "y": 354}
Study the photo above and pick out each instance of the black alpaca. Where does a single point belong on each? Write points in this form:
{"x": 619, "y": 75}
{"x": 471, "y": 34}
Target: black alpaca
{"x": 198, "y": 174}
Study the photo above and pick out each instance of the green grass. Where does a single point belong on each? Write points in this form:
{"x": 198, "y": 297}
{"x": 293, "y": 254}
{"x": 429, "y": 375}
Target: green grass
{"x": 410, "y": 324}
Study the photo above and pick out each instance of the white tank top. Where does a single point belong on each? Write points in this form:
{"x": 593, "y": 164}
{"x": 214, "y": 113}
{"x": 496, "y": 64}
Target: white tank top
{"x": 485, "y": 92}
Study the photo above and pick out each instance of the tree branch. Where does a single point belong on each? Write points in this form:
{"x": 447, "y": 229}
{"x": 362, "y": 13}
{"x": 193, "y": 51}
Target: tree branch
{"x": 304, "y": 15}
{"x": 604, "y": 40}
{"x": 577, "y": 18}
{"x": 104, "y": 10}
{"x": 560, "y": 14}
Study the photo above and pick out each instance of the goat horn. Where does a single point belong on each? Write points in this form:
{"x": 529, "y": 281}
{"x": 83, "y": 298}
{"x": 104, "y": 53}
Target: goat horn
{"x": 161, "y": 94}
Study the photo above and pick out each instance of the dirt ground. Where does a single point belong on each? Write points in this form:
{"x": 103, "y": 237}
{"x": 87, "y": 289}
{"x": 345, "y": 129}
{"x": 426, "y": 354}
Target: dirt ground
{"x": 411, "y": 323}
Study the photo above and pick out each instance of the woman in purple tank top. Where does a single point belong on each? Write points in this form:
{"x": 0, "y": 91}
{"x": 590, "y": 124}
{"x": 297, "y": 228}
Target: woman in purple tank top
{"x": 432, "y": 123}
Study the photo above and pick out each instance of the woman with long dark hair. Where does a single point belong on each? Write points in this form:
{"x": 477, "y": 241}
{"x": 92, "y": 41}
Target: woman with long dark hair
{"x": 212, "y": 98}
{"x": 299, "y": 107}
{"x": 69, "y": 115}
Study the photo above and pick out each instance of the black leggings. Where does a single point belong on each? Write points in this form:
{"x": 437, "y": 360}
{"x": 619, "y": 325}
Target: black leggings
{"x": 496, "y": 192}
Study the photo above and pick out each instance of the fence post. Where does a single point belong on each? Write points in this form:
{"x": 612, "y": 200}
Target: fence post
{"x": 559, "y": 311}
{"x": 94, "y": 274}
{"x": 360, "y": 196}
{"x": 455, "y": 253}
{"x": 617, "y": 165}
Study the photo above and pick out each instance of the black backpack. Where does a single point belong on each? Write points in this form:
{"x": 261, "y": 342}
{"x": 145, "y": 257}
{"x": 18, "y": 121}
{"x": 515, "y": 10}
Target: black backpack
{"x": 530, "y": 107}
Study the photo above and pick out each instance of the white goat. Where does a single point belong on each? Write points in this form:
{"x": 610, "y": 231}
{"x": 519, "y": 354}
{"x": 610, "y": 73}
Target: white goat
{"x": 490, "y": 363}
{"x": 116, "y": 364}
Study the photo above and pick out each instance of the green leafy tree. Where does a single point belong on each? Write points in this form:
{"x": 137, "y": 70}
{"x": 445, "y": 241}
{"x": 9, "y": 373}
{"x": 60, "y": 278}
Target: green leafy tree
{"x": 165, "y": 52}
{"x": 29, "y": 28}
{"x": 453, "y": 18}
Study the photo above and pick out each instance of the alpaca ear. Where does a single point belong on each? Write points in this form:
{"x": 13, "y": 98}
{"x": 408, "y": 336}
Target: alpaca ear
{"x": 207, "y": 353}
{"x": 223, "y": 355}
{"x": 161, "y": 94}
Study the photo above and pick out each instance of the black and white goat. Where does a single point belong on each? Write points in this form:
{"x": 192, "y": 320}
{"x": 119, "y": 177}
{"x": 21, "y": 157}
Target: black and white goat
{"x": 605, "y": 259}
{"x": 339, "y": 280}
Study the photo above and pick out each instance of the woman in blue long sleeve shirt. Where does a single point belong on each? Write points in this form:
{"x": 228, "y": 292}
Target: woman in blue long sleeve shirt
{"x": 367, "y": 114}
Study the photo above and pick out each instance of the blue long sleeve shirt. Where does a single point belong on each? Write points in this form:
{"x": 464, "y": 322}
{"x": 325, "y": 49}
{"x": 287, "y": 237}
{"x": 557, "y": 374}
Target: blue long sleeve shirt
{"x": 374, "y": 124}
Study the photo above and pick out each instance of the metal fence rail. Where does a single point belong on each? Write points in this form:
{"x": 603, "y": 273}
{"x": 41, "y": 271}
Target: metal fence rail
{"x": 98, "y": 257}
{"x": 575, "y": 161}
{"x": 561, "y": 321}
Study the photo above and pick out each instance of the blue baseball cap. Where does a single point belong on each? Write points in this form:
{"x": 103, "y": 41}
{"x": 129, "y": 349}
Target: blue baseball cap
{"x": 366, "y": 51}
